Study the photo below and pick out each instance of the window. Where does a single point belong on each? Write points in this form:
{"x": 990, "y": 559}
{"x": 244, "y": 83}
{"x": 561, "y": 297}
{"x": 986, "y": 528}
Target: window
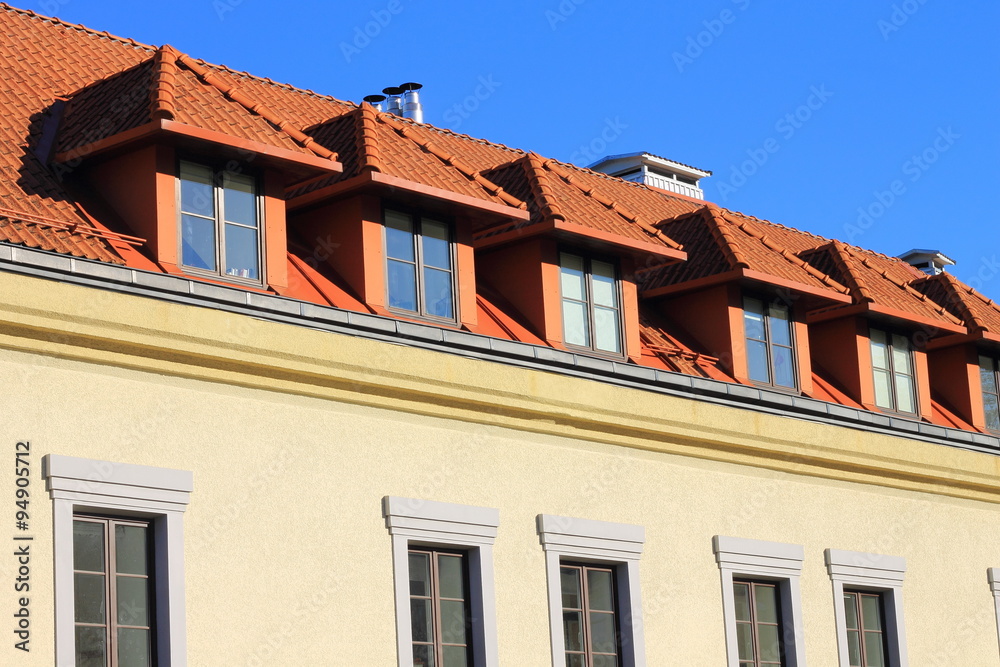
{"x": 761, "y": 601}
{"x": 420, "y": 274}
{"x": 868, "y": 591}
{"x": 892, "y": 365}
{"x": 595, "y": 605}
{"x": 113, "y": 592}
{"x": 591, "y": 304}
{"x": 589, "y": 613}
{"x": 442, "y": 557}
{"x": 220, "y": 222}
{"x": 119, "y": 582}
{"x": 989, "y": 375}
{"x": 770, "y": 351}
{"x": 439, "y": 608}
{"x": 993, "y": 576}
{"x": 865, "y": 629}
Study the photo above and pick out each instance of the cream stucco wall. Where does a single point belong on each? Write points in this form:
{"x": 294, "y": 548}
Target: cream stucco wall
{"x": 295, "y": 435}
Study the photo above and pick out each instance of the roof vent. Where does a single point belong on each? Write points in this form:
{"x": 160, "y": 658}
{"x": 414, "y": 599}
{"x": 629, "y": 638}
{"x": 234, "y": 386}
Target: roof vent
{"x": 402, "y": 100}
{"x": 376, "y": 101}
{"x": 931, "y": 262}
{"x": 655, "y": 171}
{"x": 411, "y": 101}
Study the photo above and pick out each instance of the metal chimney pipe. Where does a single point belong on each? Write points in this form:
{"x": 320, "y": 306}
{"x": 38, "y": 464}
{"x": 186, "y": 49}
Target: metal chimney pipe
{"x": 394, "y": 105}
{"x": 411, "y": 101}
{"x": 376, "y": 101}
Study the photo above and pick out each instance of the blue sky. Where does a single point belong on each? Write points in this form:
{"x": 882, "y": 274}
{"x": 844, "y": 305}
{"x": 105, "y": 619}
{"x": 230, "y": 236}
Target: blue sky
{"x": 875, "y": 123}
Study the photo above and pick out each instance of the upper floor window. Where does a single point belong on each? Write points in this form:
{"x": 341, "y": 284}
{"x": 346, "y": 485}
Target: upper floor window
{"x": 591, "y": 304}
{"x": 113, "y": 592}
{"x": 866, "y": 635}
{"x": 420, "y": 273}
{"x": 439, "y": 608}
{"x": 892, "y": 366}
{"x": 989, "y": 374}
{"x": 589, "y": 615}
{"x": 758, "y": 624}
{"x": 770, "y": 350}
{"x": 220, "y": 222}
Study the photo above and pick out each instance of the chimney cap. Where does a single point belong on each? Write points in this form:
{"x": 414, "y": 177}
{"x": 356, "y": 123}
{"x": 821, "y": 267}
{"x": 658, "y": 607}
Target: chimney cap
{"x": 928, "y": 261}
{"x": 374, "y": 99}
{"x": 392, "y": 90}
{"x": 412, "y": 85}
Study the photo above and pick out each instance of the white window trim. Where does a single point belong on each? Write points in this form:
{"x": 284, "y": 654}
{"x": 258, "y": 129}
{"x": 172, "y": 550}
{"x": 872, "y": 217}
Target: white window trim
{"x": 767, "y": 561}
{"x": 871, "y": 572}
{"x": 431, "y": 523}
{"x": 587, "y": 540}
{"x": 993, "y": 575}
{"x": 159, "y": 494}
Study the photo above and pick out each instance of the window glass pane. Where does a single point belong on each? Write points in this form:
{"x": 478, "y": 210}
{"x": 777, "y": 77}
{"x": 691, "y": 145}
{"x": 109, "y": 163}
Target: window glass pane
{"x": 438, "y": 293}
{"x": 900, "y": 354}
{"x": 423, "y": 656}
{"x": 987, "y": 374}
{"x": 133, "y": 602}
{"x": 570, "y": 588}
{"x": 399, "y": 236}
{"x": 571, "y": 277}
{"x": 905, "y": 399}
{"x": 874, "y": 656}
{"x": 602, "y": 632}
{"x": 607, "y": 330}
{"x": 992, "y": 411}
{"x": 455, "y": 656}
{"x": 769, "y": 643}
{"x": 133, "y": 648}
{"x": 744, "y": 640}
{"x": 198, "y": 242}
{"x": 437, "y": 249}
{"x": 741, "y": 593}
{"x": 421, "y": 620}
{"x": 402, "y": 285}
{"x": 197, "y": 193}
{"x": 781, "y": 328}
{"x": 238, "y": 200}
{"x": 90, "y": 649}
{"x": 575, "y": 324}
{"x": 242, "y": 252}
{"x": 578, "y": 660}
{"x": 784, "y": 367}
{"x": 851, "y": 610}
{"x": 880, "y": 349}
{"x": 757, "y": 361}
{"x": 453, "y": 622}
{"x": 767, "y": 604}
{"x": 854, "y": 648}
{"x": 753, "y": 323}
{"x": 89, "y": 598}
{"x": 573, "y": 630}
{"x": 605, "y": 661}
{"x": 604, "y": 285}
{"x": 88, "y": 546}
{"x": 420, "y": 575}
{"x": 451, "y": 577}
{"x": 130, "y": 549}
{"x": 870, "y": 617}
{"x": 883, "y": 393}
{"x": 600, "y": 587}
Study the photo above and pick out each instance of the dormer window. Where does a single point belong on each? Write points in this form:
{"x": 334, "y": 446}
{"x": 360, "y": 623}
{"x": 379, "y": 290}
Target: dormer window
{"x": 420, "y": 274}
{"x": 892, "y": 366}
{"x": 220, "y": 223}
{"x": 989, "y": 373}
{"x": 770, "y": 344}
{"x": 591, "y": 304}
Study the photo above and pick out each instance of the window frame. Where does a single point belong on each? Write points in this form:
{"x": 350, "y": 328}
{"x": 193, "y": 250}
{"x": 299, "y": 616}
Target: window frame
{"x": 993, "y": 577}
{"x": 585, "y": 610}
{"x": 588, "y": 259}
{"x": 996, "y": 379}
{"x": 446, "y": 526}
{"x": 437, "y": 643}
{"x": 870, "y": 573}
{"x": 417, "y": 219}
{"x": 771, "y": 562}
{"x": 766, "y": 304}
{"x": 218, "y": 174}
{"x": 157, "y": 495}
{"x": 860, "y": 616}
{"x": 616, "y": 546}
{"x": 914, "y": 386}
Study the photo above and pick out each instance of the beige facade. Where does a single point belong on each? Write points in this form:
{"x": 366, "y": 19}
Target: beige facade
{"x": 294, "y": 436}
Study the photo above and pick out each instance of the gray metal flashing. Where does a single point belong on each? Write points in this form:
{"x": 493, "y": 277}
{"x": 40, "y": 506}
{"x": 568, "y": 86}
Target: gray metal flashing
{"x": 176, "y": 289}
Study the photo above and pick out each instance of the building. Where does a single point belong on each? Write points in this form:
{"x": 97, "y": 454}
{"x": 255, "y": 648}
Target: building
{"x": 290, "y": 381}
